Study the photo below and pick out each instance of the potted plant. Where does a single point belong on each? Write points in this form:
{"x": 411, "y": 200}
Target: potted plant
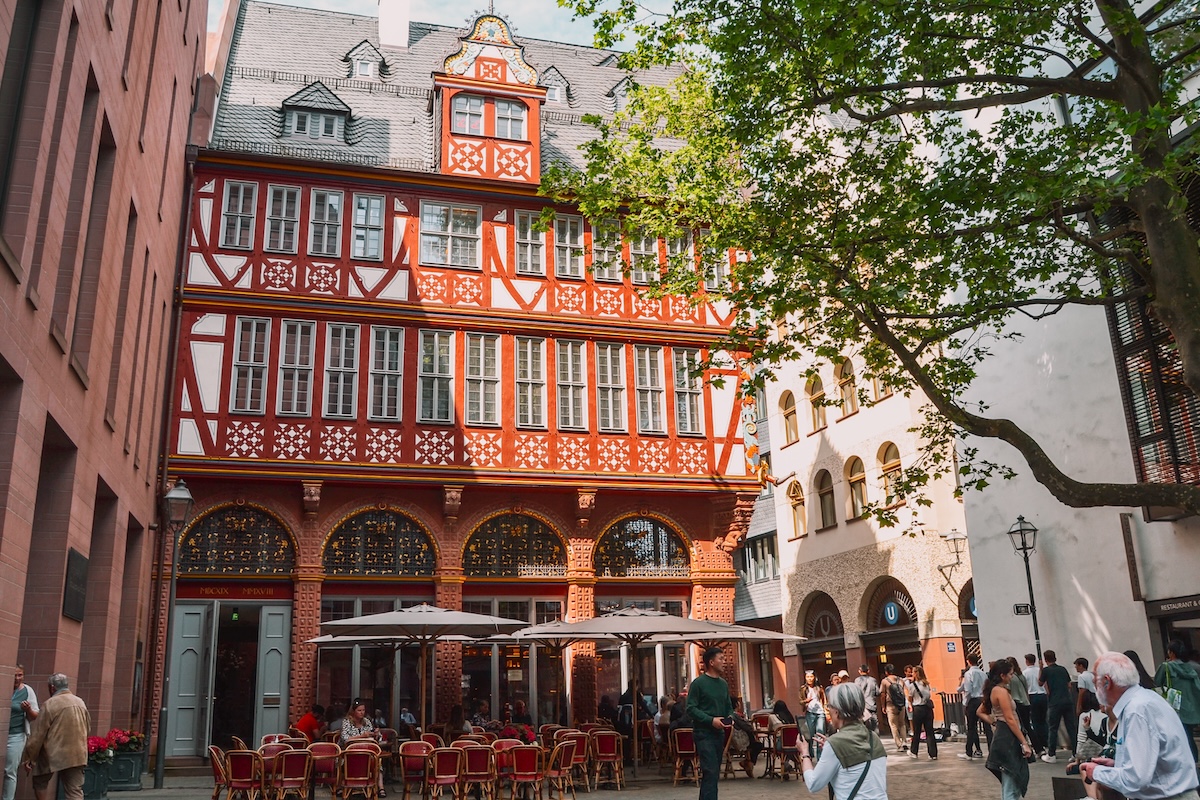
{"x": 129, "y": 759}
{"x": 517, "y": 730}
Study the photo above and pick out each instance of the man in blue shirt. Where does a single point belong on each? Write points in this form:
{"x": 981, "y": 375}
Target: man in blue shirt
{"x": 972, "y": 692}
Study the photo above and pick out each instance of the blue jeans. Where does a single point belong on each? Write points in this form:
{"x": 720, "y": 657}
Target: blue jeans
{"x": 816, "y": 724}
{"x": 12, "y": 760}
{"x": 710, "y": 745}
{"x": 1009, "y": 790}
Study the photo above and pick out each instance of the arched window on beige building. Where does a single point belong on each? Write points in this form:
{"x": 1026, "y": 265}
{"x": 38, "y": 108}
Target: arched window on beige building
{"x": 889, "y": 466}
{"x": 816, "y": 400}
{"x": 791, "y": 427}
{"x": 795, "y": 496}
{"x": 847, "y": 388}
{"x": 856, "y": 476}
{"x": 824, "y": 484}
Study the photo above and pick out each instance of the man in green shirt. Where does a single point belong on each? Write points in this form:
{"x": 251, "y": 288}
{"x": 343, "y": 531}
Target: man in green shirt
{"x": 711, "y": 711}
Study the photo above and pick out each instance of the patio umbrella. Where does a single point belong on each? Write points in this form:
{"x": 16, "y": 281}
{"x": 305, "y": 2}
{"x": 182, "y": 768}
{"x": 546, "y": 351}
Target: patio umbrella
{"x": 422, "y": 625}
{"x": 722, "y": 632}
{"x": 556, "y": 636}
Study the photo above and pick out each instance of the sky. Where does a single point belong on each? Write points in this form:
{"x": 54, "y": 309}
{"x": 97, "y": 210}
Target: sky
{"x": 538, "y": 19}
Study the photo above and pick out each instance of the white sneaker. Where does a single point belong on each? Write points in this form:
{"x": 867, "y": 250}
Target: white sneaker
{"x": 966, "y": 756}
{"x": 912, "y": 755}
{"x": 1049, "y": 759}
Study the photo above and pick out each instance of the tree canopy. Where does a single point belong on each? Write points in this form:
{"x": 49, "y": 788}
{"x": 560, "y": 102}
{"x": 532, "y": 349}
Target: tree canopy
{"x": 908, "y": 178}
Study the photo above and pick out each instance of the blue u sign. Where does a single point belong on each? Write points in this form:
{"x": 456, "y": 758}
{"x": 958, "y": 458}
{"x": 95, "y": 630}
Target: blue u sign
{"x": 891, "y": 612}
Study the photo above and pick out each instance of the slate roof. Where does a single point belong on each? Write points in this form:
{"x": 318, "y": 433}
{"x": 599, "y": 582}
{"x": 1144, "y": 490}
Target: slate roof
{"x": 317, "y": 97}
{"x": 279, "y": 53}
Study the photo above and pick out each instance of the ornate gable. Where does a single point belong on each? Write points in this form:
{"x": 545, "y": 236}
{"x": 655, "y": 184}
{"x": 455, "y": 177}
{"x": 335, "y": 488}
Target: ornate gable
{"x": 489, "y": 53}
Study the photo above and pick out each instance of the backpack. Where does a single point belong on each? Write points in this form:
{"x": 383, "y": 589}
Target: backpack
{"x": 896, "y": 694}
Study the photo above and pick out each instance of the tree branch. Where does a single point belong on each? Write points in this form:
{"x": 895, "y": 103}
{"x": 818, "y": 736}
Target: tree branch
{"x": 1100, "y": 90}
{"x": 1060, "y": 224}
{"x": 1017, "y": 305}
{"x": 970, "y": 104}
{"x": 1166, "y": 26}
{"x": 1180, "y": 56}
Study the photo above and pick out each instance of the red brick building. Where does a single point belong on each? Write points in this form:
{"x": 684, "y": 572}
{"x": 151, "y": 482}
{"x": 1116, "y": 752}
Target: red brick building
{"x": 392, "y": 387}
{"x": 94, "y": 105}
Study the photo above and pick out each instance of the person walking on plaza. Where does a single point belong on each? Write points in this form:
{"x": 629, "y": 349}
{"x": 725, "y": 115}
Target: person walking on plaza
{"x": 24, "y": 710}
{"x": 1153, "y": 760}
{"x": 920, "y": 696}
{"x": 57, "y": 743}
{"x": 1037, "y": 703}
{"x": 711, "y": 711}
{"x": 1008, "y": 751}
{"x": 1177, "y": 675}
{"x": 1059, "y": 707}
{"x": 870, "y": 689}
{"x": 972, "y": 692}
{"x": 853, "y": 761}
{"x": 1019, "y": 690}
{"x": 894, "y": 702}
{"x": 814, "y": 707}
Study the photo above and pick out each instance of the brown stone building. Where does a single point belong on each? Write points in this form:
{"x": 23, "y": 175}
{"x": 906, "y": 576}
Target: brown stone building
{"x": 95, "y": 97}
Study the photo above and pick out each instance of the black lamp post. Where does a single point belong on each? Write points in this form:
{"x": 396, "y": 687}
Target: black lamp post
{"x": 177, "y": 507}
{"x": 1024, "y": 541}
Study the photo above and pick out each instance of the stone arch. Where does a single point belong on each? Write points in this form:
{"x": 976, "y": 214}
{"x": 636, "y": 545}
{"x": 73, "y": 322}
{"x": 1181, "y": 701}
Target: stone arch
{"x": 641, "y": 545}
{"x": 966, "y": 599}
{"x": 515, "y": 543}
{"x": 820, "y": 617}
{"x": 889, "y": 605}
{"x": 377, "y": 541}
{"x": 237, "y": 539}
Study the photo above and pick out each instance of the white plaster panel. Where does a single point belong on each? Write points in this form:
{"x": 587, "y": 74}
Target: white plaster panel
{"x": 199, "y": 273}
{"x": 229, "y": 264}
{"x": 724, "y": 400}
{"x": 209, "y": 325}
{"x": 206, "y": 362}
{"x": 208, "y": 187}
{"x": 212, "y": 428}
{"x": 185, "y": 401}
{"x": 397, "y": 287}
{"x": 189, "y": 439}
{"x": 370, "y": 276}
{"x": 206, "y": 209}
{"x": 502, "y": 298}
{"x": 737, "y": 460}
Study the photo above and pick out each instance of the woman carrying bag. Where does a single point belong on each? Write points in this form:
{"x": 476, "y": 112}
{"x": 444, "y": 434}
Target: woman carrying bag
{"x": 1008, "y": 756}
{"x": 853, "y": 762}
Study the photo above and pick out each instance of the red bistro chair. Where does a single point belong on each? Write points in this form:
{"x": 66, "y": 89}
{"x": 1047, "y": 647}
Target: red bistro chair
{"x": 414, "y": 762}
{"x": 293, "y": 775}
{"x": 326, "y": 764}
{"x": 685, "y": 753}
{"x": 271, "y": 738}
{"x": 607, "y": 752}
{"x": 216, "y": 760}
{"x": 433, "y": 739}
{"x": 526, "y": 769}
{"x": 444, "y": 770}
{"x": 788, "y": 749}
{"x": 580, "y": 760}
{"x": 479, "y": 769}
{"x": 359, "y": 774}
{"x": 246, "y": 774}
{"x": 558, "y": 770}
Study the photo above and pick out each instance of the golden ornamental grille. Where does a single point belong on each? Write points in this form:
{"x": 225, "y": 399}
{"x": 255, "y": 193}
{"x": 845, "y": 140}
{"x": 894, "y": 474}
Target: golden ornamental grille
{"x": 379, "y": 542}
{"x": 641, "y": 546}
{"x": 514, "y": 545}
{"x": 237, "y": 541}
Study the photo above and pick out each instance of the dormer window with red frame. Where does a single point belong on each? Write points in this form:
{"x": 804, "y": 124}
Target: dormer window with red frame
{"x": 467, "y": 114}
{"x": 510, "y": 119}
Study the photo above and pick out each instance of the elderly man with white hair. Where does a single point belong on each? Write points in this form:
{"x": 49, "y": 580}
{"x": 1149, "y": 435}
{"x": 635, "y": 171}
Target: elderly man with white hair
{"x": 1153, "y": 761}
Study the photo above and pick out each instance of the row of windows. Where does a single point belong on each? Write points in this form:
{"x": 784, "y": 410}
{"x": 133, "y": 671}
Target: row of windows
{"x": 856, "y": 480}
{"x": 451, "y": 234}
{"x": 481, "y": 376}
{"x": 847, "y": 400}
{"x": 759, "y": 559}
{"x": 479, "y": 116}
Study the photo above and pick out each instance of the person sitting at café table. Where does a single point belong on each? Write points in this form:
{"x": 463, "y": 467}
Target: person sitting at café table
{"x": 312, "y": 724}
{"x": 358, "y": 727}
{"x": 520, "y": 714}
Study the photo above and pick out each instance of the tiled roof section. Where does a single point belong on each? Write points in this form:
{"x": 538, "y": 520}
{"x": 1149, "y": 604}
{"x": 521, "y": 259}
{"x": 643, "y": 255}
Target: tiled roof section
{"x": 280, "y": 51}
{"x": 317, "y": 97}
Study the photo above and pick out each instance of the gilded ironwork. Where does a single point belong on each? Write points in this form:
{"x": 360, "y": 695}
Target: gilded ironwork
{"x": 239, "y": 540}
{"x": 514, "y": 545}
{"x": 641, "y": 546}
{"x": 379, "y": 542}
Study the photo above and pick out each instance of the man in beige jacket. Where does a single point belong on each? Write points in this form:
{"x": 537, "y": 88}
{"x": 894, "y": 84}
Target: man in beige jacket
{"x": 57, "y": 742}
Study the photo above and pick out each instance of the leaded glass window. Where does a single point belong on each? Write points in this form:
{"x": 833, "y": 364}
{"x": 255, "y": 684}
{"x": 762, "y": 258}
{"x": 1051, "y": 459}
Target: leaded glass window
{"x": 379, "y": 542}
{"x": 514, "y": 545}
{"x": 240, "y": 540}
{"x": 641, "y": 546}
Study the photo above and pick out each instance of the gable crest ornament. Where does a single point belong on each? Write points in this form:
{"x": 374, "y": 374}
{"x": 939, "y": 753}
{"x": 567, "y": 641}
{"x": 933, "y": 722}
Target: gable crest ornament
{"x": 491, "y": 39}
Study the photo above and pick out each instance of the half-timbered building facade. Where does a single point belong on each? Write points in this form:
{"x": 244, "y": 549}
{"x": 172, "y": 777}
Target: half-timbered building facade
{"x": 394, "y": 386}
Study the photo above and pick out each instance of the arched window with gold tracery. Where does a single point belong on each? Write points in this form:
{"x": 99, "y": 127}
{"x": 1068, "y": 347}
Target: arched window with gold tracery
{"x": 237, "y": 540}
{"x": 514, "y": 545}
{"x": 641, "y": 546}
{"x": 379, "y": 542}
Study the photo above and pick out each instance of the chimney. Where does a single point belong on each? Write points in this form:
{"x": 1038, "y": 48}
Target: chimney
{"x": 394, "y": 16}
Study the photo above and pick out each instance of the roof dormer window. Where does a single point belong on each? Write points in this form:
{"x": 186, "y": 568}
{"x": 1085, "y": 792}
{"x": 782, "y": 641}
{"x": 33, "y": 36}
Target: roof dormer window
{"x": 315, "y": 112}
{"x": 556, "y": 85}
{"x": 364, "y": 68}
{"x": 553, "y": 94}
{"x": 510, "y": 119}
{"x": 468, "y": 114}
{"x": 315, "y": 124}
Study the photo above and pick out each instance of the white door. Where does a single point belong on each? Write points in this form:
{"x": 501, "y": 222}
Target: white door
{"x": 191, "y": 657}
{"x": 274, "y": 660}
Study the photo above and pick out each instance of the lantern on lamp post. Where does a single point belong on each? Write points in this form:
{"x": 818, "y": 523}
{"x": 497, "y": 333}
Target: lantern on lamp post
{"x": 177, "y": 508}
{"x": 1024, "y": 541}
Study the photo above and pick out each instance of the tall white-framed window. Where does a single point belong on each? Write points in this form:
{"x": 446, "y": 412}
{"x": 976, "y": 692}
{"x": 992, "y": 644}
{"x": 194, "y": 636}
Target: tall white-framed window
{"x": 367, "y": 241}
{"x": 435, "y": 377}
{"x": 483, "y": 379}
{"x": 510, "y": 119}
{"x": 250, "y": 366}
{"x": 610, "y": 387}
{"x": 296, "y": 342}
{"x": 283, "y": 215}
{"x": 568, "y": 246}
{"x": 606, "y": 250}
{"x": 689, "y": 388}
{"x": 714, "y": 262}
{"x": 679, "y": 247}
{"x": 531, "y": 382}
{"x": 572, "y": 386}
{"x": 643, "y": 257}
{"x": 237, "y": 216}
{"x": 450, "y": 235}
{"x": 530, "y": 245}
{"x": 387, "y": 359}
{"x": 466, "y": 114}
{"x": 648, "y": 369}
{"x": 316, "y": 125}
{"x": 341, "y": 370}
{"x": 325, "y": 223}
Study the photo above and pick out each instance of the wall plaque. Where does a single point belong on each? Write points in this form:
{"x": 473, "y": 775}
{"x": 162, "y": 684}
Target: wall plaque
{"x": 75, "y": 586}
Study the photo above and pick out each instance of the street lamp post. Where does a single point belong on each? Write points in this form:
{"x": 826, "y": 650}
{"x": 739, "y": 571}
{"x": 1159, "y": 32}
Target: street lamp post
{"x": 1024, "y": 540}
{"x": 177, "y": 507}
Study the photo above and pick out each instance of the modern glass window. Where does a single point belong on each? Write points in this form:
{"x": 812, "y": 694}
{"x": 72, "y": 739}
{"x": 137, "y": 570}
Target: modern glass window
{"x": 795, "y": 495}
{"x": 648, "y": 368}
{"x": 824, "y": 484}
{"x": 816, "y": 402}
{"x": 450, "y": 235}
{"x": 325, "y": 223}
{"x": 643, "y": 257}
{"x": 530, "y": 245}
{"x": 889, "y": 466}
{"x": 568, "y": 246}
{"x": 250, "y": 365}
{"x": 296, "y": 367}
{"x": 435, "y": 378}
{"x": 530, "y": 383}
{"x": 847, "y": 390}
{"x": 857, "y": 477}
{"x": 367, "y": 241}
{"x": 341, "y": 370}
{"x": 510, "y": 119}
{"x": 483, "y": 379}
{"x": 606, "y": 250}
{"x": 689, "y": 386}
{"x": 610, "y": 387}
{"x": 466, "y": 114}
{"x": 572, "y": 386}
{"x": 237, "y": 220}
{"x": 791, "y": 427}
{"x": 387, "y": 358}
{"x": 283, "y": 215}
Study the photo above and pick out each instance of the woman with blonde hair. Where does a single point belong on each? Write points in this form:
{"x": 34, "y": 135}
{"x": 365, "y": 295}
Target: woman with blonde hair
{"x": 920, "y": 698}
